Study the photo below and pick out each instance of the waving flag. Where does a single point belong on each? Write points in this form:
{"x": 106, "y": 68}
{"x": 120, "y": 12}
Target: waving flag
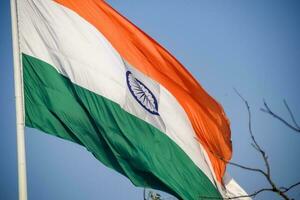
{"x": 92, "y": 77}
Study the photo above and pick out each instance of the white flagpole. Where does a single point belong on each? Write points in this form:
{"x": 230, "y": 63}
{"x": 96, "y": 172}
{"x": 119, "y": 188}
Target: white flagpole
{"x": 22, "y": 179}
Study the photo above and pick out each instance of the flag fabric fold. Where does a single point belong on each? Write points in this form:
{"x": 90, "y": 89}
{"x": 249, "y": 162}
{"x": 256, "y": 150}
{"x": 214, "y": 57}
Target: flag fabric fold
{"x": 93, "y": 78}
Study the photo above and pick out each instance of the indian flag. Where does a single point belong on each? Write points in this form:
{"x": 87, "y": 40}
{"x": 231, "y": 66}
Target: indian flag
{"x": 92, "y": 77}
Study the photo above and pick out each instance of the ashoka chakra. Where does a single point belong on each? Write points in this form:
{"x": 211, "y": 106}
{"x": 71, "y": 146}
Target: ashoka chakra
{"x": 142, "y": 94}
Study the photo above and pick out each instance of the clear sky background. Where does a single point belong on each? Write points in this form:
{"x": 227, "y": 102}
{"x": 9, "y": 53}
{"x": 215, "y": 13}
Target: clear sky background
{"x": 251, "y": 45}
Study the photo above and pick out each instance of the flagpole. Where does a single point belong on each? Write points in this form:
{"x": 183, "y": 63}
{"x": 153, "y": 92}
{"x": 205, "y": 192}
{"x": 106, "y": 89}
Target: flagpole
{"x": 22, "y": 179}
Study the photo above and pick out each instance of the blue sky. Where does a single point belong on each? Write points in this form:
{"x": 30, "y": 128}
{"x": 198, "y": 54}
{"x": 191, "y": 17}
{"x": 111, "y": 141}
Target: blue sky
{"x": 251, "y": 45}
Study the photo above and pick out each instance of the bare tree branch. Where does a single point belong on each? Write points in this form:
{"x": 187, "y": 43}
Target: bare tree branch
{"x": 267, "y": 110}
{"x": 255, "y": 143}
{"x": 291, "y": 114}
{"x": 254, "y": 194}
{"x": 267, "y": 174}
{"x": 284, "y": 189}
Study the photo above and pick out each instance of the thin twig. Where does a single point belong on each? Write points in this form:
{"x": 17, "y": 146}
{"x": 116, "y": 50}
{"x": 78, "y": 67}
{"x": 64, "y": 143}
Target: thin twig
{"x": 284, "y": 189}
{"x": 255, "y": 143}
{"x": 291, "y": 114}
{"x": 267, "y": 110}
{"x": 239, "y": 165}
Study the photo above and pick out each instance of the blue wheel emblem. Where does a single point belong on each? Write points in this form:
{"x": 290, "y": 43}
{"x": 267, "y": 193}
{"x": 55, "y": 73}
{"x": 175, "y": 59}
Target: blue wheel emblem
{"x": 142, "y": 94}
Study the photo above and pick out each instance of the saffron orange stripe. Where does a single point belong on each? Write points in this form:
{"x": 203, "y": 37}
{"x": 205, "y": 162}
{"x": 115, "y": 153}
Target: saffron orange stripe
{"x": 141, "y": 51}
